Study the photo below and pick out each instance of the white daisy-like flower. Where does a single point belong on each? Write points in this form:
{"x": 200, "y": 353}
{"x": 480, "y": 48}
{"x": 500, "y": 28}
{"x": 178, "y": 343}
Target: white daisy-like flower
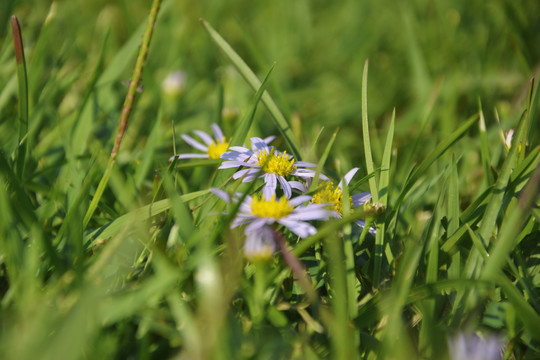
{"x": 473, "y": 347}
{"x": 333, "y": 195}
{"x": 212, "y": 147}
{"x": 260, "y": 244}
{"x": 272, "y": 165}
{"x": 257, "y": 213}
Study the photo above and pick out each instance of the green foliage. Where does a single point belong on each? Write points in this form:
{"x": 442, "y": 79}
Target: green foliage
{"x": 133, "y": 256}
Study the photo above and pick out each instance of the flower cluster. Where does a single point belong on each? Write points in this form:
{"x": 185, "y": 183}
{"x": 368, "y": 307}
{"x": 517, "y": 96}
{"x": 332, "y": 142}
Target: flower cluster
{"x": 260, "y": 213}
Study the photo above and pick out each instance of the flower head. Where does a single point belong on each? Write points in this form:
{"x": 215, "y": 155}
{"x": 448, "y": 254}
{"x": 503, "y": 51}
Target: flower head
{"x": 473, "y": 347}
{"x": 260, "y": 244}
{"x": 212, "y": 147}
{"x": 266, "y": 162}
{"x": 333, "y": 195}
{"x": 257, "y": 213}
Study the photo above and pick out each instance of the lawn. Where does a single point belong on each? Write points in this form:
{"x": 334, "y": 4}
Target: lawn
{"x": 266, "y": 180}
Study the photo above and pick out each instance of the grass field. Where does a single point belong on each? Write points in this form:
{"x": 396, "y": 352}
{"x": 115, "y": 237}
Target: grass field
{"x": 113, "y": 247}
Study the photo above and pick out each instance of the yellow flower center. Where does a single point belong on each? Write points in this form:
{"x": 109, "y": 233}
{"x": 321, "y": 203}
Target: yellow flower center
{"x": 271, "y": 208}
{"x": 278, "y": 165}
{"x": 216, "y": 149}
{"x": 332, "y": 196}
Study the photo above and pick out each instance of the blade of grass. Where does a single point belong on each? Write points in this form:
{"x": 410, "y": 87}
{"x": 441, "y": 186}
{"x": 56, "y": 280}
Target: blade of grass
{"x": 430, "y": 159}
{"x": 252, "y": 80}
{"x": 484, "y": 149}
{"x": 365, "y": 133}
{"x": 453, "y": 216}
{"x": 126, "y": 109}
{"x": 384, "y": 188}
{"x": 322, "y": 161}
{"x": 23, "y": 96}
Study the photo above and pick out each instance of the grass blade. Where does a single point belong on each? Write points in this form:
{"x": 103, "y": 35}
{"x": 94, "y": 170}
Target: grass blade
{"x": 365, "y": 132}
{"x": 23, "y": 95}
{"x": 252, "y": 80}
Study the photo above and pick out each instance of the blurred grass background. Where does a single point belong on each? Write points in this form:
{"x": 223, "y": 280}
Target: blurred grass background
{"x": 432, "y": 61}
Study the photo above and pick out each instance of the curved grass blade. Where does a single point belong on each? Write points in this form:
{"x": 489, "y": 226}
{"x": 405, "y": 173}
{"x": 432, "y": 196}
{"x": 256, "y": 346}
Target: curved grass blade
{"x": 252, "y": 80}
{"x": 23, "y": 95}
{"x": 126, "y": 109}
{"x": 365, "y": 133}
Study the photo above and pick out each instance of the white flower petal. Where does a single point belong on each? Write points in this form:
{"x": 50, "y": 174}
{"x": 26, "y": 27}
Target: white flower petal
{"x": 287, "y": 190}
{"x": 192, "y": 156}
{"x": 204, "y": 136}
{"x": 258, "y": 144}
{"x": 298, "y": 186}
{"x": 258, "y": 223}
{"x": 304, "y": 164}
{"x": 362, "y": 224}
{"x": 359, "y": 199}
{"x": 300, "y": 228}
{"x": 197, "y": 145}
{"x": 300, "y": 200}
{"x": 348, "y": 176}
{"x": 221, "y": 194}
{"x": 218, "y": 134}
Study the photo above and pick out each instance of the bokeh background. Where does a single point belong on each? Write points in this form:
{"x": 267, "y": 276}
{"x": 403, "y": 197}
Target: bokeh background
{"x": 427, "y": 58}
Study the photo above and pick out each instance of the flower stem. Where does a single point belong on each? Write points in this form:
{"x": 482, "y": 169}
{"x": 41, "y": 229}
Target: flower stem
{"x": 126, "y": 109}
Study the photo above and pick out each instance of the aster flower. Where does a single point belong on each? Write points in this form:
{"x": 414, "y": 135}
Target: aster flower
{"x": 274, "y": 165}
{"x": 212, "y": 147}
{"x": 473, "y": 347}
{"x": 257, "y": 213}
{"x": 334, "y": 196}
{"x": 260, "y": 244}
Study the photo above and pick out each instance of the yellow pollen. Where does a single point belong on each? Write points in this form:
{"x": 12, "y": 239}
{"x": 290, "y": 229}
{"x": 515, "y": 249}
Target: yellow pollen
{"x": 278, "y": 165}
{"x": 332, "y": 196}
{"x": 271, "y": 208}
{"x": 216, "y": 149}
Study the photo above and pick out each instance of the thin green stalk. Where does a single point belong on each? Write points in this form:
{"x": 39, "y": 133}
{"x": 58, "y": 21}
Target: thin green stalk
{"x": 126, "y": 109}
{"x": 23, "y": 95}
{"x": 365, "y": 132}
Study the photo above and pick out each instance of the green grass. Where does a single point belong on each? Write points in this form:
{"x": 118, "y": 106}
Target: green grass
{"x": 107, "y": 254}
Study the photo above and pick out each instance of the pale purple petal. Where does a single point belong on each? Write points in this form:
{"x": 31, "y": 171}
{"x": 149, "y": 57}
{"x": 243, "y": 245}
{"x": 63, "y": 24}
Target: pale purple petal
{"x": 258, "y": 223}
{"x": 298, "y": 186}
{"x": 221, "y": 194}
{"x": 192, "y": 156}
{"x": 240, "y": 173}
{"x": 310, "y": 213}
{"x": 191, "y": 141}
{"x": 204, "y": 136}
{"x": 268, "y": 192}
{"x": 241, "y": 149}
{"x": 300, "y": 200}
{"x": 287, "y": 190}
{"x": 359, "y": 199}
{"x": 233, "y": 163}
{"x": 362, "y": 224}
{"x": 304, "y": 164}
{"x": 218, "y": 134}
{"x": 301, "y": 229}
{"x": 269, "y": 139}
{"x": 348, "y": 176}
{"x": 258, "y": 144}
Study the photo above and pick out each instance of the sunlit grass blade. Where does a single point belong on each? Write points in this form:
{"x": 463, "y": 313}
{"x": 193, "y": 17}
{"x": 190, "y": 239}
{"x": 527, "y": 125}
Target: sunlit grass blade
{"x": 126, "y": 109}
{"x": 252, "y": 80}
{"x": 365, "y": 133}
{"x": 494, "y": 206}
{"x": 384, "y": 189}
{"x": 242, "y": 130}
{"x": 322, "y": 161}
{"x": 430, "y": 159}
{"x": 453, "y": 216}
{"x": 140, "y": 215}
{"x": 484, "y": 149}
{"x": 23, "y": 96}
